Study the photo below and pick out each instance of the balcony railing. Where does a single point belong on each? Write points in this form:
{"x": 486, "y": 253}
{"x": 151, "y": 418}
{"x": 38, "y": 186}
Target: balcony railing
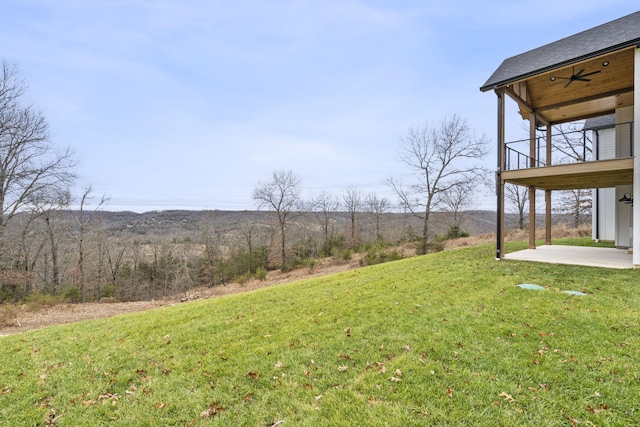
{"x": 572, "y": 147}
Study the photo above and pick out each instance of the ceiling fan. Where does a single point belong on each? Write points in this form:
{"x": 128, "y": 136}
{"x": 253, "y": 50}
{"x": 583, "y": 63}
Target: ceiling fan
{"x": 579, "y": 76}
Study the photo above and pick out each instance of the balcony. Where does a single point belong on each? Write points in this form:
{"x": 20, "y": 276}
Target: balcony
{"x": 579, "y": 159}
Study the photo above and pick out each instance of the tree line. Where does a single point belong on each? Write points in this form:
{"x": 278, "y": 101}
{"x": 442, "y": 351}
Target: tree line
{"x": 49, "y": 250}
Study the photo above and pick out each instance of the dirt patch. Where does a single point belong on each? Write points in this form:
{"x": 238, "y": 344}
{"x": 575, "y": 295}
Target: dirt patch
{"x": 19, "y": 319}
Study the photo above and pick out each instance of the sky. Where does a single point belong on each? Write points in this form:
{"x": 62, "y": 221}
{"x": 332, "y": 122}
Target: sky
{"x": 191, "y": 104}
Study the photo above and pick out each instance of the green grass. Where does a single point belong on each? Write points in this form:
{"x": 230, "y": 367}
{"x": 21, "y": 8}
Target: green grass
{"x": 443, "y": 339}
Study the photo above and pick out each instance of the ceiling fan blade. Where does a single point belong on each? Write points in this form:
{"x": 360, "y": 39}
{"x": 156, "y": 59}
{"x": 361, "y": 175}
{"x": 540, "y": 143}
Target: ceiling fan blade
{"x": 578, "y": 74}
{"x": 590, "y": 74}
{"x": 582, "y": 79}
{"x": 568, "y": 83}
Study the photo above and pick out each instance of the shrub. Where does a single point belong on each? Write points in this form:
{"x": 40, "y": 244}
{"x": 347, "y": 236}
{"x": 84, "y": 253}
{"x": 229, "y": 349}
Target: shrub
{"x": 436, "y": 244}
{"x": 455, "y": 233}
{"x": 108, "y": 291}
{"x": 261, "y": 273}
{"x": 72, "y": 294}
{"x": 243, "y": 278}
{"x": 7, "y": 295}
{"x": 37, "y": 300}
{"x": 310, "y": 263}
{"x": 346, "y": 254}
{"x": 7, "y": 315}
{"x": 377, "y": 255}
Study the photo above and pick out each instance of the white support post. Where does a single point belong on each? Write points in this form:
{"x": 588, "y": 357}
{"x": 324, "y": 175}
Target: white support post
{"x": 635, "y": 244}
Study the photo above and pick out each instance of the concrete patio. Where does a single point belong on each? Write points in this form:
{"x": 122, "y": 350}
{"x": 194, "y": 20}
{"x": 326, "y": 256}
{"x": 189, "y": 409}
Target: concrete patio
{"x": 575, "y": 255}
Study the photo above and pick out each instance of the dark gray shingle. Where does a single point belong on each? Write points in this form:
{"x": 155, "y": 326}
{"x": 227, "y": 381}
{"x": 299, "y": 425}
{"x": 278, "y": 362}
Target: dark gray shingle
{"x": 601, "y": 122}
{"x": 614, "y": 35}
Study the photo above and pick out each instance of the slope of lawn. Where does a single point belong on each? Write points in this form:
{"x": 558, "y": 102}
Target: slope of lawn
{"x": 444, "y": 339}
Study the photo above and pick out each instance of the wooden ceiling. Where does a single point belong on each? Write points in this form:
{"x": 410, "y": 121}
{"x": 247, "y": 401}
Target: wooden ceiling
{"x": 557, "y": 99}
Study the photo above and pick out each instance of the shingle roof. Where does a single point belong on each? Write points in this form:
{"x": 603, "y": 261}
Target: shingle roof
{"x": 614, "y": 35}
{"x": 601, "y": 122}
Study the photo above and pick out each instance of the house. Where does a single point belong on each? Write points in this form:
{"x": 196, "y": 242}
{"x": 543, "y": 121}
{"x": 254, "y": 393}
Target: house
{"x": 588, "y": 75}
{"x": 611, "y": 207}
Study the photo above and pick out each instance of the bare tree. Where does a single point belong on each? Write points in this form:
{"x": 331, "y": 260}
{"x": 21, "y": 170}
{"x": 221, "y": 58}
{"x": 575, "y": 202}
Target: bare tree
{"x": 456, "y": 201}
{"x": 29, "y": 164}
{"x": 518, "y": 197}
{"x": 438, "y": 159}
{"x": 574, "y": 144}
{"x": 48, "y": 207}
{"x": 81, "y": 232}
{"x": 24, "y": 242}
{"x": 377, "y": 207}
{"x": 577, "y": 205}
{"x": 282, "y": 195}
{"x": 325, "y": 205}
{"x": 353, "y": 202}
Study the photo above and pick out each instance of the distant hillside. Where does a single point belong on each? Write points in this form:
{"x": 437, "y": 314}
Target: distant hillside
{"x": 474, "y": 222}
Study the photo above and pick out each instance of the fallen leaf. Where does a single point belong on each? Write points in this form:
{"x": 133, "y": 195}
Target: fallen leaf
{"x": 213, "y": 410}
{"x": 278, "y": 364}
{"x": 398, "y": 373}
{"x": 394, "y": 379}
{"x": 600, "y": 408}
{"x": 160, "y": 405}
{"x": 253, "y": 375}
{"x": 342, "y": 368}
{"x": 507, "y": 397}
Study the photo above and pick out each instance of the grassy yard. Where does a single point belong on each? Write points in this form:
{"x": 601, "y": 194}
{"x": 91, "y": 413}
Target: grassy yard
{"x": 444, "y": 339}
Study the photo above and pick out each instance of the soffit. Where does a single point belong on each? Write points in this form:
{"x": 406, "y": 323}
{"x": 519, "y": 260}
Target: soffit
{"x": 557, "y": 99}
